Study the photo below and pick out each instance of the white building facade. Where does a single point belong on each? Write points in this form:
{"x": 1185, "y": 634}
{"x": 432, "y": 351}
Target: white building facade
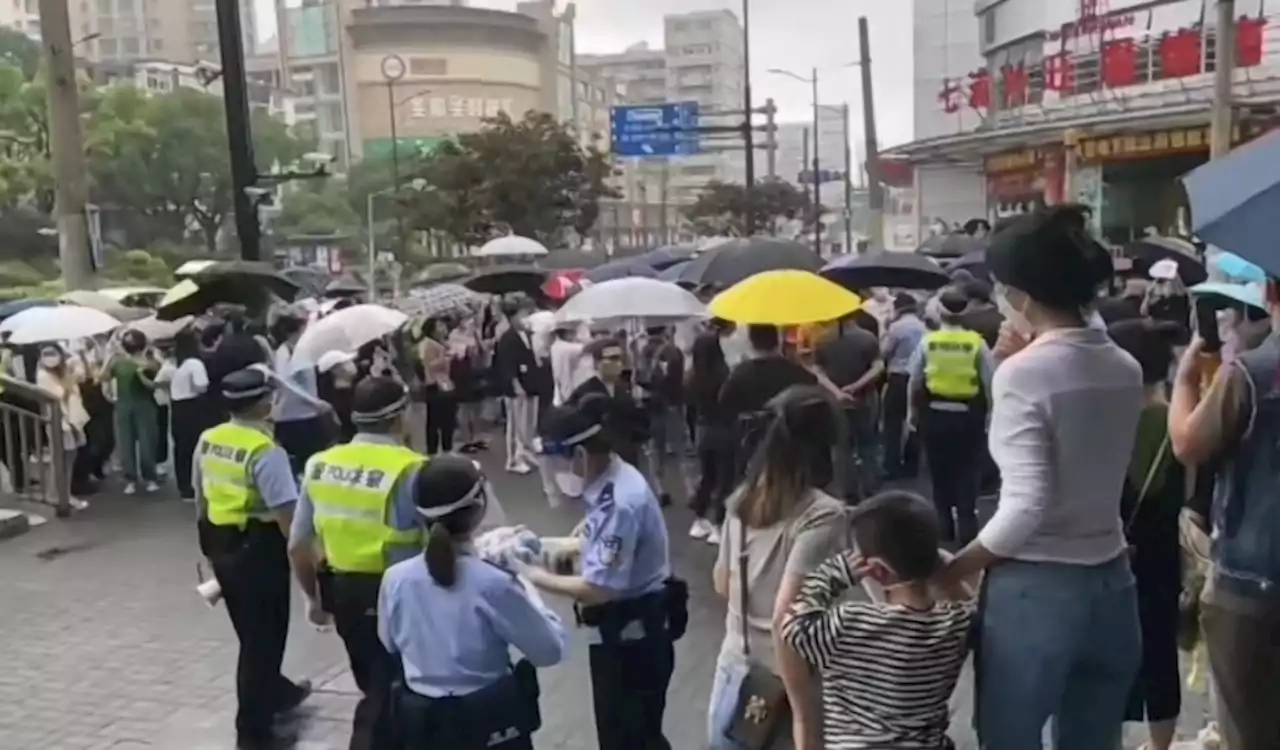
{"x": 22, "y": 16}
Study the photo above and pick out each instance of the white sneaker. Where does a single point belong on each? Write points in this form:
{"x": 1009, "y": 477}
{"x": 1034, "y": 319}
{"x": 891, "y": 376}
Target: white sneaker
{"x": 714, "y": 537}
{"x": 78, "y": 504}
{"x": 131, "y": 489}
{"x": 701, "y": 529}
{"x": 152, "y": 487}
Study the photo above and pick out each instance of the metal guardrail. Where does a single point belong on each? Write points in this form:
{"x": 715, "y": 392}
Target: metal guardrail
{"x": 32, "y": 453}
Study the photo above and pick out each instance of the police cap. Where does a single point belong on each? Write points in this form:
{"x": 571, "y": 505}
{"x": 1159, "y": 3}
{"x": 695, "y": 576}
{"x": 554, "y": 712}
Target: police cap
{"x": 377, "y": 399}
{"x": 247, "y": 386}
{"x": 574, "y": 424}
{"x": 953, "y": 300}
{"x": 446, "y": 484}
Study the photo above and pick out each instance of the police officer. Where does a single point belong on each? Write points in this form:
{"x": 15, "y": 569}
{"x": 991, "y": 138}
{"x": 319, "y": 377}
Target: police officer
{"x": 245, "y": 495}
{"x": 357, "y": 512}
{"x": 950, "y": 386}
{"x": 451, "y": 622}
{"x": 625, "y": 593}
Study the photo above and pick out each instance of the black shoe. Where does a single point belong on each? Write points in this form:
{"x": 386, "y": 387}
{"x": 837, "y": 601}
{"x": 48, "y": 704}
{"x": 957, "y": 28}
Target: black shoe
{"x": 276, "y": 740}
{"x": 294, "y": 698}
{"x": 664, "y": 500}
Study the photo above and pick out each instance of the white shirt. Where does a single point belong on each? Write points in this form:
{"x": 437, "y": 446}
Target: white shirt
{"x": 1064, "y": 415}
{"x": 186, "y": 381}
{"x": 571, "y": 366}
{"x": 736, "y": 347}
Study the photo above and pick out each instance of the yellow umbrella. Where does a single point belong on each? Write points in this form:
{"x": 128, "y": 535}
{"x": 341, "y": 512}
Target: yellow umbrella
{"x": 784, "y": 298}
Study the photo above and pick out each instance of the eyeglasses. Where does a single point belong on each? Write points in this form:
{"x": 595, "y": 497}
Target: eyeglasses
{"x": 610, "y": 357}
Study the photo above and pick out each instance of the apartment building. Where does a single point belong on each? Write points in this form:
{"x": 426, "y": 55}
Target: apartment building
{"x": 177, "y": 30}
{"x": 700, "y": 60}
{"x": 21, "y": 15}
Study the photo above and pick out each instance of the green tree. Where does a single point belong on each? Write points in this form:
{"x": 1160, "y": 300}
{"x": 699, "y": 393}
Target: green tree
{"x": 18, "y": 50}
{"x": 322, "y": 208}
{"x": 721, "y": 207}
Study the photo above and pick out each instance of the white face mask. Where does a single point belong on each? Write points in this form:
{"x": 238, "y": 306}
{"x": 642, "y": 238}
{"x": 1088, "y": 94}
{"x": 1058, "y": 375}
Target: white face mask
{"x": 1015, "y": 317}
{"x": 570, "y": 484}
{"x": 51, "y": 362}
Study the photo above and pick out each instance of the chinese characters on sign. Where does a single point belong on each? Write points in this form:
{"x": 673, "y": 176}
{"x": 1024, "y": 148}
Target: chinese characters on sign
{"x": 1162, "y": 143}
{"x": 453, "y": 107}
{"x": 1094, "y": 54}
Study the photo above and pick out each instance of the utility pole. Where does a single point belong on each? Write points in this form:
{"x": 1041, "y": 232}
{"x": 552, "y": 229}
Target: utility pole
{"x": 848, "y": 179}
{"x": 664, "y": 184}
{"x": 748, "y": 134}
{"x": 66, "y": 146}
{"x": 804, "y": 165}
{"x": 235, "y": 94}
{"x": 875, "y": 189}
{"x": 771, "y": 138}
{"x": 817, "y": 168}
{"x": 1221, "y": 121}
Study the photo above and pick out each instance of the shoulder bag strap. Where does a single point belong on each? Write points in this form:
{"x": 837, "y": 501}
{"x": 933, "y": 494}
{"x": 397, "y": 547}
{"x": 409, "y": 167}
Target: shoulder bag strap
{"x": 742, "y": 587}
{"x": 1146, "y": 483}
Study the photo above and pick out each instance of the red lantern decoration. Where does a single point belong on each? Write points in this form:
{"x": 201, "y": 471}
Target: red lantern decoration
{"x": 1059, "y": 73}
{"x": 980, "y": 89}
{"x": 1180, "y": 53}
{"x": 1119, "y": 63}
{"x": 1249, "y": 41}
{"x": 1015, "y": 85}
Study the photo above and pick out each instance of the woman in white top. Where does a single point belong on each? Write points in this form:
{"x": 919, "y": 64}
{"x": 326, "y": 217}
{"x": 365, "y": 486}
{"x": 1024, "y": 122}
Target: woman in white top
{"x": 790, "y": 526}
{"x": 1058, "y": 634}
{"x": 56, "y": 377}
{"x": 187, "y": 381}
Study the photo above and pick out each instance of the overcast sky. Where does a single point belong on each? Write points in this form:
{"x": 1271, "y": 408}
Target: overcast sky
{"x": 791, "y": 34}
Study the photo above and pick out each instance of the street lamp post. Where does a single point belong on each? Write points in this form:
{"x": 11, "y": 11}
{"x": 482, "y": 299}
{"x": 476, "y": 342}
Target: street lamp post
{"x": 393, "y": 70}
{"x": 816, "y": 164}
{"x": 748, "y": 134}
{"x": 372, "y": 241}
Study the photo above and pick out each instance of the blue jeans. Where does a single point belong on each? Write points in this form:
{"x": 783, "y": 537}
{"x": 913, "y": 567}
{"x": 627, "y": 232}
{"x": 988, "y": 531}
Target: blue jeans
{"x": 724, "y": 700}
{"x": 1059, "y": 641}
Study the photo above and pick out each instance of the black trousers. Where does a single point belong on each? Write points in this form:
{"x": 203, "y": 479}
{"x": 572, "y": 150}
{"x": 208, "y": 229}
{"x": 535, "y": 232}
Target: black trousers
{"x": 302, "y": 439}
{"x": 900, "y": 453}
{"x": 162, "y": 434}
{"x": 715, "y": 472}
{"x": 629, "y": 692}
{"x": 442, "y": 420}
{"x": 954, "y": 446}
{"x": 352, "y": 599}
{"x": 190, "y": 418}
{"x": 253, "y": 569}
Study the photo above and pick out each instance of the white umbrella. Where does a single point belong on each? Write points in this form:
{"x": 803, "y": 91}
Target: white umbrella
{"x": 159, "y": 330}
{"x": 61, "y": 323}
{"x": 510, "y": 246}
{"x": 632, "y": 297}
{"x": 345, "y": 330}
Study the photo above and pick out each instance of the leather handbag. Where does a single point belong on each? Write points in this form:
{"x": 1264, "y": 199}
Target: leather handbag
{"x": 761, "y": 709}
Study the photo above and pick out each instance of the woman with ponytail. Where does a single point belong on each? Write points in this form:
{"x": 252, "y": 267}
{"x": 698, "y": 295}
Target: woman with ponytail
{"x": 451, "y": 618}
{"x": 1058, "y": 632}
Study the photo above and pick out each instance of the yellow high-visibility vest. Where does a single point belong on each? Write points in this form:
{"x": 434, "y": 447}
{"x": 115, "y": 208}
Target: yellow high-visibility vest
{"x": 951, "y": 364}
{"x": 352, "y": 489}
{"x": 227, "y": 454}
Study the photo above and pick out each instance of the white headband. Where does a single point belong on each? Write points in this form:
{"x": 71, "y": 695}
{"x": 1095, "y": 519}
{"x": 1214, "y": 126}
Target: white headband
{"x": 472, "y": 497}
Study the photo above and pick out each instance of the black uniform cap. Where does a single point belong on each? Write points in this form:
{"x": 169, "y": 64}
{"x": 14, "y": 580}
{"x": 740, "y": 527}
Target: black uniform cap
{"x": 246, "y": 386}
{"x": 377, "y": 400}
{"x": 447, "y": 484}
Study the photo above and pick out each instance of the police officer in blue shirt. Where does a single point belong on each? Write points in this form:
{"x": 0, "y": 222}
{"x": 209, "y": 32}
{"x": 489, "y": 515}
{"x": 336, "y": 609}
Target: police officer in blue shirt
{"x": 357, "y": 517}
{"x": 450, "y": 618}
{"x": 245, "y": 496}
{"x": 625, "y": 594}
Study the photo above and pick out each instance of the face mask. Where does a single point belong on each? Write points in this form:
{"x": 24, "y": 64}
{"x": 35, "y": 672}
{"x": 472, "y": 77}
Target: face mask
{"x": 570, "y": 484}
{"x": 51, "y": 362}
{"x": 1016, "y": 318}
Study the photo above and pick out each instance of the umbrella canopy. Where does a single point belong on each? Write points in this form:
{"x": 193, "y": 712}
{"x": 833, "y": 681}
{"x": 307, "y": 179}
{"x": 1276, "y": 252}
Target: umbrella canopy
{"x": 347, "y": 286}
{"x": 247, "y": 273}
{"x": 560, "y": 284}
{"x": 508, "y": 280}
{"x": 135, "y": 296}
{"x": 9, "y": 309}
{"x": 673, "y": 273}
{"x": 438, "y": 272}
{"x": 1221, "y": 294}
{"x": 632, "y": 298}
{"x": 61, "y": 323}
{"x": 620, "y": 269}
{"x": 897, "y": 270}
{"x": 246, "y": 283}
{"x": 666, "y": 256}
{"x": 102, "y": 303}
{"x": 974, "y": 262}
{"x": 159, "y": 330}
{"x": 731, "y": 261}
{"x": 1234, "y": 201}
{"x": 443, "y": 300}
{"x": 310, "y": 279}
{"x": 345, "y": 330}
{"x": 1237, "y": 269}
{"x": 784, "y": 298}
{"x": 951, "y": 245}
{"x": 511, "y": 246}
{"x": 192, "y": 267}
{"x": 1151, "y": 250}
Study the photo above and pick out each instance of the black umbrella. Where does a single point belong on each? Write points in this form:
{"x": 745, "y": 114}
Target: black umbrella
{"x": 734, "y": 260}
{"x": 974, "y": 262}
{"x": 345, "y": 287}
{"x": 440, "y": 272}
{"x": 952, "y": 245}
{"x": 620, "y": 269}
{"x": 508, "y": 280}
{"x": 310, "y": 279}
{"x": 248, "y": 273}
{"x": 662, "y": 258}
{"x": 1148, "y": 251}
{"x": 249, "y": 283}
{"x": 894, "y": 270}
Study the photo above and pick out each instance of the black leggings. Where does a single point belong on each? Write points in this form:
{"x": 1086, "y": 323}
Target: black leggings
{"x": 442, "y": 420}
{"x": 715, "y": 473}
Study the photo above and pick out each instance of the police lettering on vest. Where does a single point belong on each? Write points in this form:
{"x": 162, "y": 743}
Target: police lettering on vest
{"x": 352, "y": 488}
{"x": 227, "y": 453}
{"x": 951, "y": 366}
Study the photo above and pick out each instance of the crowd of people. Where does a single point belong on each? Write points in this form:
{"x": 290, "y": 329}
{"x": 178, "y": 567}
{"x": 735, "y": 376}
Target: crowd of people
{"x": 1079, "y": 405}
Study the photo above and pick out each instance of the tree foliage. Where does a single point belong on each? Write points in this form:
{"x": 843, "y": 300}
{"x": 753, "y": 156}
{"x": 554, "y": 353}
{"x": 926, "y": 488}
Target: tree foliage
{"x": 721, "y": 208}
{"x": 317, "y": 209}
{"x": 19, "y": 51}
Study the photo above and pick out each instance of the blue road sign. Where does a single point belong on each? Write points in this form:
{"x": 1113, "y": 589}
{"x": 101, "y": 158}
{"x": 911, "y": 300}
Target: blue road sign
{"x": 669, "y": 129}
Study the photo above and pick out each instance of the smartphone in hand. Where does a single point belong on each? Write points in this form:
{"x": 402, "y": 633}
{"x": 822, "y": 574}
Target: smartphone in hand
{"x": 1206, "y": 322}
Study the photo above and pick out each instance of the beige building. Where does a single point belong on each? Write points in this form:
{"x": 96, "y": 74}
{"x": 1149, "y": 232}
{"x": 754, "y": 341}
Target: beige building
{"x": 181, "y": 31}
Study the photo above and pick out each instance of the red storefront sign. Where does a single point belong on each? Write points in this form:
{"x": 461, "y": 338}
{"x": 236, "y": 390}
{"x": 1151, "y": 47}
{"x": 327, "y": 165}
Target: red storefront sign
{"x": 1120, "y": 61}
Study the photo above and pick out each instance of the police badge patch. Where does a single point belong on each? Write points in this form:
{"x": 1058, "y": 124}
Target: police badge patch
{"x": 610, "y": 546}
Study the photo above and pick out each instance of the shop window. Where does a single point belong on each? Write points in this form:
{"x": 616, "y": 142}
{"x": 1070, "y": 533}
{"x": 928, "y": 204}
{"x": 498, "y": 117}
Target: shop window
{"x": 989, "y": 28}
